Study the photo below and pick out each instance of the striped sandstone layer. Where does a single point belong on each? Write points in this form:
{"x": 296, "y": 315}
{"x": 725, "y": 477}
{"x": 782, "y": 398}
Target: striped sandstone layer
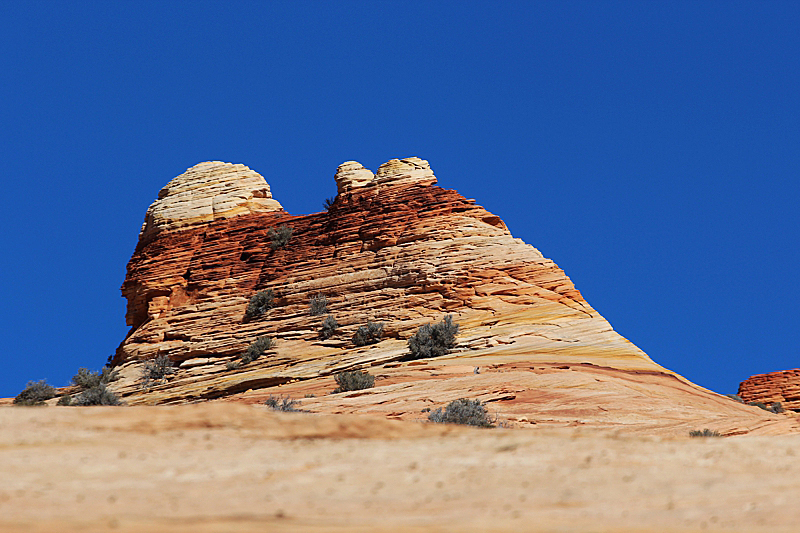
{"x": 398, "y": 249}
{"x": 783, "y": 386}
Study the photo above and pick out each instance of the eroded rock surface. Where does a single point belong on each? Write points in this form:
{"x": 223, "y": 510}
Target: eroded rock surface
{"x": 397, "y": 249}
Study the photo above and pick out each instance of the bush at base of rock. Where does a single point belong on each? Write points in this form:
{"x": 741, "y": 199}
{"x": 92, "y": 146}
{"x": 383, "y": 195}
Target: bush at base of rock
{"x": 704, "y": 433}
{"x": 99, "y": 395}
{"x": 279, "y": 403}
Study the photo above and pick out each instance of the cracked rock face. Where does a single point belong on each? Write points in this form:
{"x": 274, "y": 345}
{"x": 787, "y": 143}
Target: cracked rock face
{"x": 395, "y": 248}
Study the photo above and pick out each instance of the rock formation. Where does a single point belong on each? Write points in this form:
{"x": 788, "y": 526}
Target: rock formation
{"x": 208, "y": 191}
{"x": 397, "y": 249}
{"x": 783, "y": 387}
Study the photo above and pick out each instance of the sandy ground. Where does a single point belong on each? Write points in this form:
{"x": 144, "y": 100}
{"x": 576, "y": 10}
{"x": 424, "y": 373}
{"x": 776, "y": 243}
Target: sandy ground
{"x": 231, "y": 467}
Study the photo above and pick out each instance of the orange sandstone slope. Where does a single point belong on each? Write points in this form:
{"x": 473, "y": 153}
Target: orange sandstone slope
{"x": 393, "y": 248}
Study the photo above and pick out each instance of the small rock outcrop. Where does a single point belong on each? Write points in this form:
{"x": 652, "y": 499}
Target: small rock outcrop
{"x": 405, "y": 171}
{"x": 783, "y": 386}
{"x": 351, "y": 175}
{"x": 410, "y": 170}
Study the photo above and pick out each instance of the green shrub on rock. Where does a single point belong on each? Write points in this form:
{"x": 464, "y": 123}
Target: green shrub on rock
{"x": 353, "y": 380}
{"x": 279, "y": 238}
{"x": 86, "y": 379}
{"x": 99, "y": 395}
{"x": 329, "y": 327}
{"x": 260, "y": 303}
{"x": 35, "y": 393}
{"x": 257, "y": 349}
{"x": 65, "y": 400}
{"x": 369, "y": 334}
{"x": 278, "y": 403}
{"x": 432, "y": 340}
{"x": 776, "y": 408}
{"x": 704, "y": 433}
{"x": 318, "y": 305}
{"x": 462, "y": 411}
{"x": 156, "y": 370}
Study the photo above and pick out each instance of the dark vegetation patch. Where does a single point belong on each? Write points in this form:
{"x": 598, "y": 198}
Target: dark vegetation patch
{"x": 156, "y": 370}
{"x": 462, "y": 411}
{"x": 281, "y": 403}
{"x": 257, "y": 348}
{"x": 318, "y": 305}
{"x": 433, "y": 340}
{"x": 260, "y": 303}
{"x": 353, "y": 380}
{"x": 369, "y": 334}
{"x": 704, "y": 433}
{"x": 280, "y": 237}
{"x": 35, "y": 393}
{"x": 329, "y": 327}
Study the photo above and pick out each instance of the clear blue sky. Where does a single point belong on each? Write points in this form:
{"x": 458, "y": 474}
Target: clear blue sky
{"x": 652, "y": 149}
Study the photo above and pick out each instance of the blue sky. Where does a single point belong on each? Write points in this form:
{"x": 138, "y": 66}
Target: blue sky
{"x": 650, "y": 148}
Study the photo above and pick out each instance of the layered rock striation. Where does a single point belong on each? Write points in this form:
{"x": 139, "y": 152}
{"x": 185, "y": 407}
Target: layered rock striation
{"x": 397, "y": 249}
{"x": 783, "y": 387}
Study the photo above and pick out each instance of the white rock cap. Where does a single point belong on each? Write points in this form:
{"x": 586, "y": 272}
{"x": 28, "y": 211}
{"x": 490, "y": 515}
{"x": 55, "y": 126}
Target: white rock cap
{"x": 352, "y": 174}
{"x": 209, "y": 191}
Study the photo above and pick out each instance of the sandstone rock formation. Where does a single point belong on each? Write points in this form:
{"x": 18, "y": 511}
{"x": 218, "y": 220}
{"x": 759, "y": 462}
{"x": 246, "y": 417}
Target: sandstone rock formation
{"x": 397, "y": 249}
{"x": 350, "y": 175}
{"x": 781, "y": 387}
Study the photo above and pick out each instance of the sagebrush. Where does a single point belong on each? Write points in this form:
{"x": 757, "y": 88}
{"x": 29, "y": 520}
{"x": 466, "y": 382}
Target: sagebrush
{"x": 353, "y": 380}
{"x": 279, "y": 238}
{"x": 93, "y": 388}
{"x": 318, "y": 305}
{"x": 329, "y": 327}
{"x": 704, "y": 433}
{"x": 432, "y": 340}
{"x": 156, "y": 370}
{"x": 463, "y": 411}
{"x": 369, "y": 334}
{"x": 257, "y": 349}
{"x": 35, "y": 393}
{"x": 87, "y": 379}
{"x": 260, "y": 303}
{"x": 99, "y": 395}
{"x": 281, "y": 403}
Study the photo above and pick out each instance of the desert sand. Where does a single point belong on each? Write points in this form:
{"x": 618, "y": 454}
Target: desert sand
{"x": 230, "y": 467}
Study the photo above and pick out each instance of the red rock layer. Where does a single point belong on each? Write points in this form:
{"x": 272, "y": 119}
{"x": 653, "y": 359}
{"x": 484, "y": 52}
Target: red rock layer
{"x": 783, "y": 386}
